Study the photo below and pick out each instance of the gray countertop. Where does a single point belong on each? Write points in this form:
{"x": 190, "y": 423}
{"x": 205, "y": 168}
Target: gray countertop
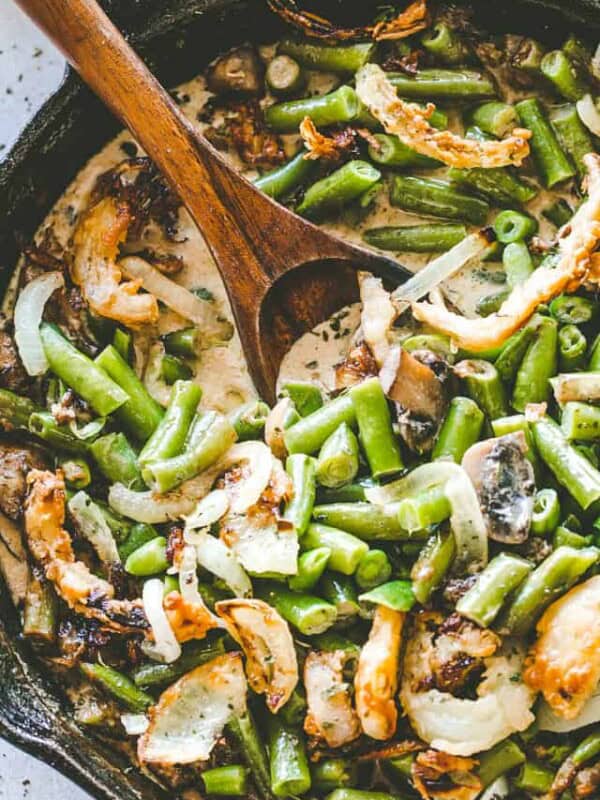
{"x": 30, "y": 70}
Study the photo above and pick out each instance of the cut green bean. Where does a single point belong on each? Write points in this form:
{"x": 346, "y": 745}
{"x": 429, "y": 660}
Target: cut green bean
{"x": 119, "y": 686}
{"x": 244, "y": 731}
{"x": 351, "y": 493}
{"x": 375, "y": 428}
{"x": 572, "y": 310}
{"x": 390, "y": 151}
{"x": 249, "y": 420}
{"x": 546, "y": 512}
{"x": 483, "y": 601}
{"x": 513, "y": 352}
{"x": 572, "y": 348}
{"x": 229, "y": 781}
{"x": 554, "y": 576}
{"x": 396, "y": 595}
{"x": 551, "y": 161}
{"x": 123, "y": 344}
{"x": 445, "y": 44}
{"x": 501, "y": 758}
{"x": 331, "y": 773}
{"x": 290, "y": 775}
{"x": 149, "y": 559}
{"x": 169, "y": 437}
{"x": 491, "y": 303}
{"x": 367, "y": 521}
{"x": 194, "y": 654}
{"x": 517, "y": 263}
{"x": 339, "y": 58}
{"x": 432, "y": 197}
{"x": 338, "y": 189}
{"x": 58, "y": 437}
{"x": 416, "y": 238}
{"x": 284, "y": 76}
{"x": 461, "y": 428}
{"x": 534, "y": 778}
{"x": 573, "y": 136}
{"x": 484, "y": 386}
{"x": 432, "y": 565}
{"x": 40, "y": 617}
{"x": 513, "y": 226}
{"x": 139, "y": 534}
{"x": 309, "y": 434}
{"x": 346, "y": 550}
{"x": 557, "y": 67}
{"x": 340, "y": 106}
{"x": 580, "y": 421}
{"x": 301, "y": 469}
{"x": 15, "y": 411}
{"x": 283, "y": 181}
{"x": 499, "y": 185}
{"x": 442, "y": 84}
{"x": 173, "y": 368}
{"x": 117, "y": 461}
{"x": 540, "y": 363}
{"x": 340, "y": 591}
{"x": 563, "y": 537}
{"x": 529, "y": 56}
{"x": 309, "y": 614}
{"x": 559, "y": 212}
{"x": 184, "y": 342}
{"x": 311, "y": 565}
{"x": 423, "y": 510}
{"x": 337, "y": 463}
{"x": 495, "y": 118}
{"x": 373, "y": 569}
{"x": 305, "y": 396}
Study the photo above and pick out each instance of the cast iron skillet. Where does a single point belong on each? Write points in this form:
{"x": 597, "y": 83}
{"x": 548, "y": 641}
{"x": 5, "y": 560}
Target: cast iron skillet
{"x": 176, "y": 38}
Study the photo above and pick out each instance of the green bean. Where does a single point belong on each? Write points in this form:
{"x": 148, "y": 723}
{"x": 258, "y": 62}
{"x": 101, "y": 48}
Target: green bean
{"x": 367, "y": 521}
{"x": 552, "y": 163}
{"x": 557, "y": 67}
{"x": 184, "y": 342}
{"x": 15, "y": 411}
{"x": 194, "y": 654}
{"x": 442, "y": 42}
{"x": 483, "y": 601}
{"x": 436, "y": 342}
{"x": 586, "y": 750}
{"x": 210, "y": 436}
{"x": 580, "y": 421}
{"x": 534, "y": 778}
{"x": 339, "y": 58}
{"x": 149, "y": 559}
{"x": 244, "y": 730}
{"x": 432, "y": 565}
{"x": 123, "y": 344}
{"x": 284, "y": 180}
{"x": 499, "y": 185}
{"x": 169, "y": 436}
{"x": 423, "y": 510}
{"x": 442, "y": 84}
{"x": 346, "y": 550}
{"x": 337, "y": 463}
{"x": 495, "y": 118}
{"x": 249, "y": 420}
{"x": 554, "y": 576}
{"x": 120, "y": 527}
{"x": 340, "y": 591}
{"x": 305, "y": 396}
{"x": 416, "y": 238}
{"x": 341, "y": 187}
{"x": 593, "y": 364}
{"x": 517, "y": 263}
{"x": 573, "y": 136}
{"x": 397, "y": 595}
{"x": 390, "y": 151}
{"x": 309, "y": 434}
{"x": 332, "y": 640}
{"x": 76, "y": 471}
{"x": 40, "y": 617}
{"x": 117, "y": 460}
{"x": 290, "y": 775}
{"x": 340, "y": 106}
{"x": 351, "y": 493}
{"x": 512, "y": 354}
{"x": 284, "y": 76}
{"x": 173, "y": 368}
{"x": 572, "y": 348}
{"x": 572, "y": 310}
{"x": 59, "y": 437}
{"x": 80, "y": 373}
{"x": 461, "y": 428}
{"x": 546, "y": 512}
{"x": 501, "y": 758}
{"x": 119, "y": 686}
{"x": 331, "y": 773}
{"x": 563, "y": 537}
{"x": 375, "y": 428}
{"x": 559, "y": 213}
{"x": 140, "y": 533}
{"x": 484, "y": 386}
{"x": 432, "y": 197}
{"x": 529, "y": 56}
{"x": 569, "y": 467}
{"x": 309, "y": 614}
{"x": 578, "y": 53}
{"x": 373, "y": 569}
{"x": 513, "y": 226}
{"x": 540, "y": 363}
{"x": 294, "y": 711}
{"x": 231, "y": 780}
{"x": 359, "y": 794}
{"x": 311, "y": 565}
{"x": 491, "y": 303}
{"x": 301, "y": 469}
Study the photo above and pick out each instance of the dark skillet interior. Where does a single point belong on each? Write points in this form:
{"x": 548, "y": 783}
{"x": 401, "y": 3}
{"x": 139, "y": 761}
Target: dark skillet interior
{"x": 176, "y": 38}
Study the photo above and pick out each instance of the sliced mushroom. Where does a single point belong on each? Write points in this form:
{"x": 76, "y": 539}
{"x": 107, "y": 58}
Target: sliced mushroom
{"x": 239, "y": 72}
{"x": 358, "y": 365}
{"x": 505, "y": 485}
{"x": 15, "y": 462}
{"x": 330, "y": 714}
{"x": 271, "y": 663}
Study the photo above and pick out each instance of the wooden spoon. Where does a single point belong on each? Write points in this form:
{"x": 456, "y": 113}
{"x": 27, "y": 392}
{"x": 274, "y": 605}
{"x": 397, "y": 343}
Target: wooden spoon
{"x": 283, "y": 275}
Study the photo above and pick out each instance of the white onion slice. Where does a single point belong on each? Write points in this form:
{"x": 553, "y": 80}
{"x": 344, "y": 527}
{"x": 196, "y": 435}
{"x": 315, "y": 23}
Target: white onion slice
{"x": 187, "y": 563}
{"x": 214, "y": 556}
{"x": 165, "y": 647}
{"x": 497, "y": 790}
{"x": 135, "y": 724}
{"x": 595, "y": 63}
{"x": 28, "y": 316}
{"x": 92, "y": 525}
{"x": 209, "y": 510}
{"x": 420, "y": 480}
{"x": 247, "y": 492}
{"x": 547, "y": 720}
{"x": 148, "y": 507}
{"x": 467, "y": 523}
{"x": 589, "y": 114}
{"x": 177, "y": 297}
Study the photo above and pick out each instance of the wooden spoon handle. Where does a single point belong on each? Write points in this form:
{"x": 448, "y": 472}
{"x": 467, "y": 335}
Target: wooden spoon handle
{"x": 215, "y": 196}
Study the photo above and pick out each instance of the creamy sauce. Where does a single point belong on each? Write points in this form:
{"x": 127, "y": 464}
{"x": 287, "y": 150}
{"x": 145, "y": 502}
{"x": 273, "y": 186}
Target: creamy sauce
{"x": 221, "y": 368}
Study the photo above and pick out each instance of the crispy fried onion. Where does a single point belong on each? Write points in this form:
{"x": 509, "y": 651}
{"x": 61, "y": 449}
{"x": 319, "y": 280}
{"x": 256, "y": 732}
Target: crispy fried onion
{"x": 577, "y": 242}
{"x": 414, "y": 18}
{"x": 94, "y": 269}
{"x": 271, "y": 663}
{"x": 330, "y": 716}
{"x": 376, "y": 680}
{"x": 332, "y": 148}
{"x": 191, "y": 714}
{"x": 410, "y": 123}
{"x": 564, "y": 663}
{"x": 431, "y": 767}
{"x": 452, "y": 724}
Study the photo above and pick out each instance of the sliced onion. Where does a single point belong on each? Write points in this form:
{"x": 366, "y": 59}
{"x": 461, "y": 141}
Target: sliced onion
{"x": 262, "y": 548}
{"x": 498, "y": 790}
{"x": 92, "y": 525}
{"x": 187, "y": 563}
{"x": 28, "y": 316}
{"x": 247, "y": 492}
{"x": 578, "y": 386}
{"x": 209, "y": 510}
{"x": 165, "y": 647}
{"x": 595, "y": 64}
{"x": 440, "y": 269}
{"x": 547, "y": 720}
{"x": 589, "y": 114}
{"x": 153, "y": 380}
{"x": 135, "y": 724}
{"x": 177, "y": 298}
{"x": 420, "y": 480}
{"x": 149, "y": 507}
{"x": 214, "y": 556}
{"x": 467, "y": 523}
{"x": 377, "y": 315}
